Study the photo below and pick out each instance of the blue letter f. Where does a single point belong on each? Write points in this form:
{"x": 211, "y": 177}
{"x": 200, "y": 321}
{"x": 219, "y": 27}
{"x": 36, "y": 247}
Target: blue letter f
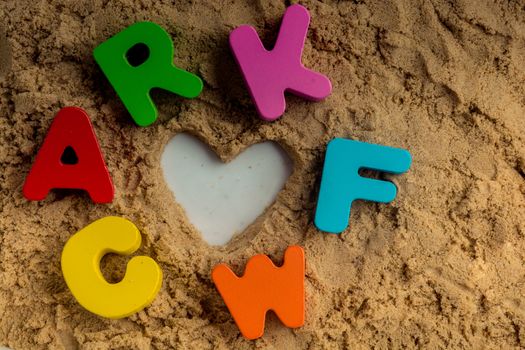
{"x": 341, "y": 183}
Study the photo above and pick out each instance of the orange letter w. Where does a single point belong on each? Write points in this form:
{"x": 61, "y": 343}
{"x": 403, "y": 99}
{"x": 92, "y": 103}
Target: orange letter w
{"x": 264, "y": 287}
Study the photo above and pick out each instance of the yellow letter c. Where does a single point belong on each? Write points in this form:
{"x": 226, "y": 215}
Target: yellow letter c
{"x": 81, "y": 268}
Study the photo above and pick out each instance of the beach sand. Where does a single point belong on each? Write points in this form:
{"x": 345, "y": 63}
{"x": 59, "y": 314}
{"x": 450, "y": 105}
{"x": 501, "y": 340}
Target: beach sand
{"x": 443, "y": 266}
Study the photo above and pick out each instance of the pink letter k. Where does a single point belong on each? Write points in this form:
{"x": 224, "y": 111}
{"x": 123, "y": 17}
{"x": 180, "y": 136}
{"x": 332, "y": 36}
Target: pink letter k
{"x": 269, "y": 74}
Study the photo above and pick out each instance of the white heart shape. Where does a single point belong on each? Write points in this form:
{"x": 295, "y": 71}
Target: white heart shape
{"x": 222, "y": 199}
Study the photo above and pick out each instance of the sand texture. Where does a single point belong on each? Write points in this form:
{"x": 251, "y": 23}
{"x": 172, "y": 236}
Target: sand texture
{"x": 443, "y": 266}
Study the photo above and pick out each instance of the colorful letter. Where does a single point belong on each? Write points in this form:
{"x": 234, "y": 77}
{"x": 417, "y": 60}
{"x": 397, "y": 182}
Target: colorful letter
{"x": 264, "y": 287}
{"x": 133, "y": 80}
{"x": 269, "y": 74}
{"x": 71, "y": 132}
{"x": 81, "y": 268}
{"x": 341, "y": 184}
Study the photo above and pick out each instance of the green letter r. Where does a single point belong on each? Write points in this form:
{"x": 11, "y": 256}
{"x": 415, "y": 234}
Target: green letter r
{"x": 133, "y": 80}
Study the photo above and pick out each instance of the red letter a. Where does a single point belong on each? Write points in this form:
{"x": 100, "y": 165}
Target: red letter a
{"x": 72, "y": 129}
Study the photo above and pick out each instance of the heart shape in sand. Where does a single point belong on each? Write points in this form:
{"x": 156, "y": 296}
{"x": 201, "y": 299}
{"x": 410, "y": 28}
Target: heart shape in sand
{"x": 222, "y": 199}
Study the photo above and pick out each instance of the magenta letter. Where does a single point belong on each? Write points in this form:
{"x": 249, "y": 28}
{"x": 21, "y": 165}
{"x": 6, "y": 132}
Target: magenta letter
{"x": 269, "y": 74}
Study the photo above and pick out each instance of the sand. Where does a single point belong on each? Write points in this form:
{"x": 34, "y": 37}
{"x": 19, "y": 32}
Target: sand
{"x": 443, "y": 266}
